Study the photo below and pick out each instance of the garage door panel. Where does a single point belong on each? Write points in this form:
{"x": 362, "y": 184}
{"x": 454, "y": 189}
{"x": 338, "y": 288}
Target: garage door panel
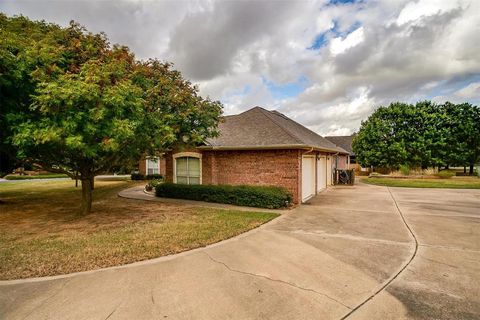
{"x": 321, "y": 173}
{"x": 308, "y": 177}
{"x": 329, "y": 170}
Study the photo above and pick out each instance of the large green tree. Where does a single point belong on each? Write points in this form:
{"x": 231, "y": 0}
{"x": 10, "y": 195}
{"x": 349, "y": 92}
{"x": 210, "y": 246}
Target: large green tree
{"x": 94, "y": 106}
{"x": 463, "y": 140}
{"x": 420, "y": 135}
{"x": 18, "y": 36}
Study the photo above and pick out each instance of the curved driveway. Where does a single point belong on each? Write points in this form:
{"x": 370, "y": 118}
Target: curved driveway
{"x": 319, "y": 261}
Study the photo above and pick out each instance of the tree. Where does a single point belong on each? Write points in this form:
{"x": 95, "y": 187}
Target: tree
{"x": 463, "y": 141}
{"x": 96, "y": 106}
{"x": 420, "y": 135}
{"x": 16, "y": 85}
{"x": 380, "y": 140}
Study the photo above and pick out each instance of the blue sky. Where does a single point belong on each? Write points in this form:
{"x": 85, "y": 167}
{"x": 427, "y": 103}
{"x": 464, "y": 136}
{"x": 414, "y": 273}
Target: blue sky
{"x": 325, "y": 63}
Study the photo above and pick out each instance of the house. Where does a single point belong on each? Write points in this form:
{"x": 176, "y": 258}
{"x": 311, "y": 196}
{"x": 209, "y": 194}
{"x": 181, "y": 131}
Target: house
{"x": 256, "y": 147}
{"x": 345, "y": 142}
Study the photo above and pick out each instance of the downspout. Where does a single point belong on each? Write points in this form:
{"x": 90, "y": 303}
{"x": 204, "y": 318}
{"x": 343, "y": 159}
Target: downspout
{"x": 311, "y": 149}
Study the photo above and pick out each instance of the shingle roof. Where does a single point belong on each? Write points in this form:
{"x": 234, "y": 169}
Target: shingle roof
{"x": 260, "y": 128}
{"x": 345, "y": 142}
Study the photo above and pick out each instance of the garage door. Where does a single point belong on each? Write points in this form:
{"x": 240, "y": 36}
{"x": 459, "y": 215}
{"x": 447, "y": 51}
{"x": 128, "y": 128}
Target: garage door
{"x": 322, "y": 173}
{"x": 329, "y": 170}
{"x": 308, "y": 177}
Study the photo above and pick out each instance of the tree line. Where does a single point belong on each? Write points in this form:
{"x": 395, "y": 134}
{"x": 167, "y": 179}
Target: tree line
{"x": 420, "y": 135}
{"x": 75, "y": 104}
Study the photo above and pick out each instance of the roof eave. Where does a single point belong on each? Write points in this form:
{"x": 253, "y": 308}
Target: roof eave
{"x": 271, "y": 147}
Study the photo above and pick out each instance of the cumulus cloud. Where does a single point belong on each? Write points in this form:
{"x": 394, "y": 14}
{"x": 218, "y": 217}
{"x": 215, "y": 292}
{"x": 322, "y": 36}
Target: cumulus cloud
{"x": 325, "y": 64}
{"x": 339, "y": 45}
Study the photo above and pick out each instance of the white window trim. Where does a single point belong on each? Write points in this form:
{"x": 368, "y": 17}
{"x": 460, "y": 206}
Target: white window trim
{"x": 186, "y": 154}
{"x": 146, "y": 164}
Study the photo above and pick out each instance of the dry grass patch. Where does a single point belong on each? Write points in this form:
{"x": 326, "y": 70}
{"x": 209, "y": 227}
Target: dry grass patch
{"x": 41, "y": 232}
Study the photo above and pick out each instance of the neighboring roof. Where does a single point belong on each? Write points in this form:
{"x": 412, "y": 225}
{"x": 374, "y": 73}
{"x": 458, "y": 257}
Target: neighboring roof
{"x": 258, "y": 128}
{"x": 345, "y": 142}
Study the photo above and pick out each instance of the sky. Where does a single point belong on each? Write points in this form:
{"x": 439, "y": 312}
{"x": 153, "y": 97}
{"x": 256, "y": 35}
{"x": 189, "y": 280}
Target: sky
{"x": 326, "y": 64}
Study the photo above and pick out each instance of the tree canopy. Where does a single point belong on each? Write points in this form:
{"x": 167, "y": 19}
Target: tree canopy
{"x": 421, "y": 135}
{"x": 77, "y": 105}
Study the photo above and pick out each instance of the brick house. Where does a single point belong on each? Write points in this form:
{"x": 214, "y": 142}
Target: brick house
{"x": 256, "y": 147}
{"x": 345, "y": 142}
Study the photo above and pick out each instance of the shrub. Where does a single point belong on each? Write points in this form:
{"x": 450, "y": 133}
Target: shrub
{"x": 252, "y": 196}
{"x": 152, "y": 184}
{"x": 41, "y": 176}
{"x": 445, "y": 174}
{"x": 405, "y": 169}
{"x": 154, "y": 176}
{"x": 137, "y": 176}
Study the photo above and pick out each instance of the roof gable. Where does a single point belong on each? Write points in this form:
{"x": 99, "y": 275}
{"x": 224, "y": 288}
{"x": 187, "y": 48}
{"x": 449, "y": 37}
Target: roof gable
{"x": 345, "y": 142}
{"x": 257, "y": 127}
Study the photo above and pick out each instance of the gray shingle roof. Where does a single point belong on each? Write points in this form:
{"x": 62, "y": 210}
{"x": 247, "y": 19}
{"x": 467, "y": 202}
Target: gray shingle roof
{"x": 260, "y": 128}
{"x": 345, "y": 142}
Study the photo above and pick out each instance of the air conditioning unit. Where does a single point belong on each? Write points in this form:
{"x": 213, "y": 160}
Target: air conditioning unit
{"x": 344, "y": 177}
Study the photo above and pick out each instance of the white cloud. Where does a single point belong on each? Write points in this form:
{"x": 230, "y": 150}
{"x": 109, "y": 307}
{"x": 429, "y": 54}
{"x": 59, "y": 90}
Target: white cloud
{"x": 470, "y": 91}
{"x": 416, "y": 10}
{"x": 339, "y": 45}
{"x": 402, "y": 50}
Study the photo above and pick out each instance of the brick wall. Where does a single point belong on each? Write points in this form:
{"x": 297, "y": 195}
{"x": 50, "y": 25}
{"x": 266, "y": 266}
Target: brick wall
{"x": 250, "y": 167}
{"x": 342, "y": 162}
{"x": 255, "y": 167}
{"x": 142, "y": 166}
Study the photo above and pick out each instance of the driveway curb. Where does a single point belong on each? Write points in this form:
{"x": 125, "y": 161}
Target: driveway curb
{"x": 154, "y": 260}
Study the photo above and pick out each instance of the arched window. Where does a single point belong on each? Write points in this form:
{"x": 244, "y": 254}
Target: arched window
{"x": 188, "y": 168}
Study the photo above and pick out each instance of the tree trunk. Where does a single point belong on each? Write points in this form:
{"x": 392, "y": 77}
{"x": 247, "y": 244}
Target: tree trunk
{"x": 464, "y": 169}
{"x": 470, "y": 172}
{"x": 86, "y": 195}
{"x": 92, "y": 182}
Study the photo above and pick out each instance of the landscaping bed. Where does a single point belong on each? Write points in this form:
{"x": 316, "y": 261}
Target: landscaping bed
{"x": 388, "y": 176}
{"x": 252, "y": 196}
{"x": 42, "y": 234}
{"x": 35, "y": 177}
{"x": 453, "y": 183}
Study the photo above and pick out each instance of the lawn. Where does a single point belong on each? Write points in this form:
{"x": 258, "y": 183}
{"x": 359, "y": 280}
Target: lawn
{"x": 42, "y": 234}
{"x": 454, "y": 183}
{"x": 40, "y": 176}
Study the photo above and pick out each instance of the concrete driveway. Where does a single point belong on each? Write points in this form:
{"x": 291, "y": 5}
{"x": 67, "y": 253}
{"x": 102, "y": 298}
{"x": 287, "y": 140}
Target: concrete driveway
{"x": 347, "y": 254}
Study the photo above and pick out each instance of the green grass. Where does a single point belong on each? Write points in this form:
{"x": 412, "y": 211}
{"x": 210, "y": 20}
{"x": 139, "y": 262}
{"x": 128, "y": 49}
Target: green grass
{"x": 41, "y": 232}
{"x": 40, "y": 176}
{"x": 460, "y": 183}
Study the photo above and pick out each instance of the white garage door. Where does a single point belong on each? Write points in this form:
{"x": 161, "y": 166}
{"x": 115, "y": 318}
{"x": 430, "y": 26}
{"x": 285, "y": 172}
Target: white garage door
{"x": 308, "y": 177}
{"x": 329, "y": 170}
{"x": 321, "y": 173}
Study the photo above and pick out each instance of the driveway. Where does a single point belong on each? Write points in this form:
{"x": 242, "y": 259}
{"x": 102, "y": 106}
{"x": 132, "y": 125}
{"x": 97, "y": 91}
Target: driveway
{"x": 363, "y": 252}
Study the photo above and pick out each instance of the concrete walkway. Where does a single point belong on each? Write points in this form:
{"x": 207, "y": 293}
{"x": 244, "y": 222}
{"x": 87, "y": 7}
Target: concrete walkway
{"x": 347, "y": 254}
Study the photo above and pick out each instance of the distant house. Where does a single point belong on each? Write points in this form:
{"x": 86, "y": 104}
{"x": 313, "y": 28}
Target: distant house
{"x": 256, "y": 147}
{"x": 345, "y": 142}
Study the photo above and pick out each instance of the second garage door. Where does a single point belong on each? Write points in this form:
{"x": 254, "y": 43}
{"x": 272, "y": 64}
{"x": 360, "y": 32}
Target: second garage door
{"x": 308, "y": 177}
{"x": 321, "y": 173}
